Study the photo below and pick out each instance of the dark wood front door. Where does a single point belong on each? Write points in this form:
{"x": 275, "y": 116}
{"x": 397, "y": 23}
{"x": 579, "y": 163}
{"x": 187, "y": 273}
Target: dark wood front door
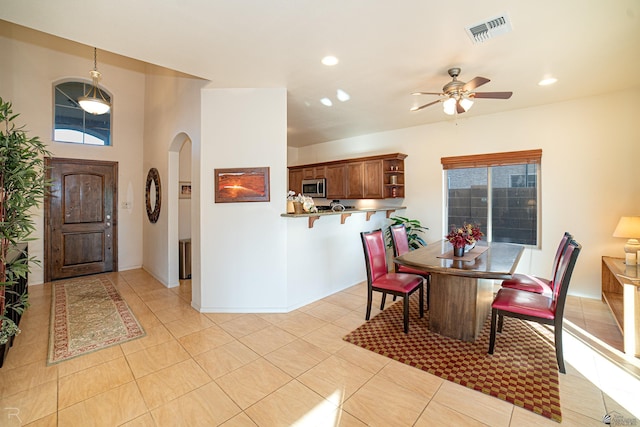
{"x": 81, "y": 218}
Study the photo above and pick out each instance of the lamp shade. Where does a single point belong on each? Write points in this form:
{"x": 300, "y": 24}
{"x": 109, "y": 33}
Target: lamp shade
{"x": 466, "y": 103}
{"x": 94, "y": 101}
{"x": 449, "y": 106}
{"x": 629, "y": 227}
{"x": 94, "y": 105}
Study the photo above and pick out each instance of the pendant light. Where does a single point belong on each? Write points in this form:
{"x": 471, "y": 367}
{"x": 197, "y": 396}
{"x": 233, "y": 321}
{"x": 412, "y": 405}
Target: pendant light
{"x": 94, "y": 101}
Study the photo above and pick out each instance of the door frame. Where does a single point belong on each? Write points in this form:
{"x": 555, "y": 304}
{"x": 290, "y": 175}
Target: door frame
{"x": 47, "y": 210}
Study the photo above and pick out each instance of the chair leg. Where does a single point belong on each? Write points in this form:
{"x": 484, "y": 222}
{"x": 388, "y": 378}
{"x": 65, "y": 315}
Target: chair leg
{"x": 421, "y": 300}
{"x": 500, "y": 322}
{"x": 369, "y": 299}
{"x": 492, "y": 337}
{"x": 558, "y": 340}
{"x": 384, "y": 299}
{"x": 406, "y": 313}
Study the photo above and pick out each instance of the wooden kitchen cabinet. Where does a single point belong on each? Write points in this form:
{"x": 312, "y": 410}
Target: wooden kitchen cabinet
{"x": 373, "y": 187}
{"x": 373, "y": 177}
{"x": 355, "y": 180}
{"x": 295, "y": 180}
{"x": 365, "y": 180}
{"x": 314, "y": 172}
{"x": 336, "y": 181}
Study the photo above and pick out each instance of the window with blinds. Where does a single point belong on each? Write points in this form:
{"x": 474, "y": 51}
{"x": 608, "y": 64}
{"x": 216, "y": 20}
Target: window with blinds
{"x": 498, "y": 191}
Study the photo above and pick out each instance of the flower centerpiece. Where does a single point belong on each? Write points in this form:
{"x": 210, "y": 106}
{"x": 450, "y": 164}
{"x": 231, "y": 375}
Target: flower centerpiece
{"x": 460, "y": 237}
{"x": 300, "y": 203}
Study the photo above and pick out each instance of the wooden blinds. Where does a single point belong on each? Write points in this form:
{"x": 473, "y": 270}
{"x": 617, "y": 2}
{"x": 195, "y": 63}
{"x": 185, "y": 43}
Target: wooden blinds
{"x": 493, "y": 159}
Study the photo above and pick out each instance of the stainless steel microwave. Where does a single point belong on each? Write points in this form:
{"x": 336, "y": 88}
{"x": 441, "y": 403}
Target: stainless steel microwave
{"x": 314, "y": 187}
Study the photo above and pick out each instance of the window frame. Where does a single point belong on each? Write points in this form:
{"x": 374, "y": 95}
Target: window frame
{"x": 488, "y": 161}
{"x": 86, "y": 84}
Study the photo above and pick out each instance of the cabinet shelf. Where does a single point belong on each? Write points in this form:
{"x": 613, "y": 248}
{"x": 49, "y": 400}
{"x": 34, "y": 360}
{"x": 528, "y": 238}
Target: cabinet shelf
{"x": 621, "y": 292}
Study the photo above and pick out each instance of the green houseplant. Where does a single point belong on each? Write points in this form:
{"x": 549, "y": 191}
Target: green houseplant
{"x": 413, "y": 227}
{"x": 22, "y": 188}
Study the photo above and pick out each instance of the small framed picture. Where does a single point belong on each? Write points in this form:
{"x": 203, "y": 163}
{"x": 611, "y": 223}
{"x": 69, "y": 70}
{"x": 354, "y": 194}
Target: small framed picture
{"x": 185, "y": 190}
{"x": 241, "y": 185}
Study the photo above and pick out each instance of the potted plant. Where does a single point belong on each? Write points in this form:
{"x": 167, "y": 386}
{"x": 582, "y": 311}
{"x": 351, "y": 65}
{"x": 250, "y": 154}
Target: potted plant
{"x": 464, "y": 237}
{"x": 300, "y": 204}
{"x": 22, "y": 188}
{"x": 413, "y": 227}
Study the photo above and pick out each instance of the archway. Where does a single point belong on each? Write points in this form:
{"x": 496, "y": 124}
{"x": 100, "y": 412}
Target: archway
{"x": 175, "y": 212}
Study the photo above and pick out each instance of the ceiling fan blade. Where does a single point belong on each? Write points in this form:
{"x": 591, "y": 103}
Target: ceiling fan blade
{"x": 459, "y": 108}
{"x": 495, "y": 95}
{"x": 425, "y": 105}
{"x": 477, "y": 82}
{"x": 427, "y": 93}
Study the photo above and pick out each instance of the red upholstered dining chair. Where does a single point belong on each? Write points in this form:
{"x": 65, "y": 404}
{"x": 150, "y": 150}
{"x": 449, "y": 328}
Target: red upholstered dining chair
{"x": 380, "y": 280}
{"x": 539, "y": 285}
{"x": 400, "y": 243}
{"x": 547, "y": 310}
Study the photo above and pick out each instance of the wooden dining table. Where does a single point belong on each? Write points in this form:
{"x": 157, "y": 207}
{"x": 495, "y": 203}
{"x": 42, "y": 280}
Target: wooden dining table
{"x": 461, "y": 289}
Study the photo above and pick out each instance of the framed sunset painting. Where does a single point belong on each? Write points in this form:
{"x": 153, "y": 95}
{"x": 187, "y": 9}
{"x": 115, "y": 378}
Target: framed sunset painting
{"x": 234, "y": 185}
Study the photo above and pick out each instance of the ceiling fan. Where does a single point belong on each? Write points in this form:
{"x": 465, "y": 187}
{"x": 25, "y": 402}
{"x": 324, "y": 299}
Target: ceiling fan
{"x": 459, "y": 96}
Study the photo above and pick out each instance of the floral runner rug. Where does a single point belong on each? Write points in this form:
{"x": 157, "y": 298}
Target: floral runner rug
{"x": 522, "y": 370}
{"x": 88, "y": 314}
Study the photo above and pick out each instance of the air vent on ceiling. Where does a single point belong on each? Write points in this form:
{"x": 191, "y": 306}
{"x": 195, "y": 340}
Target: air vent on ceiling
{"x": 489, "y": 28}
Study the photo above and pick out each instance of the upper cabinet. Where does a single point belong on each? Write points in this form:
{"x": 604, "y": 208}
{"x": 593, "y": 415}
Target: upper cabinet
{"x": 375, "y": 177}
{"x": 355, "y": 180}
{"x": 336, "y": 181}
{"x": 295, "y": 180}
{"x": 313, "y": 172}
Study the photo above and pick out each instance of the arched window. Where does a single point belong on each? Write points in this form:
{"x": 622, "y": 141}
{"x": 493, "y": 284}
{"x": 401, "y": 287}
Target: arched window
{"x": 72, "y": 123}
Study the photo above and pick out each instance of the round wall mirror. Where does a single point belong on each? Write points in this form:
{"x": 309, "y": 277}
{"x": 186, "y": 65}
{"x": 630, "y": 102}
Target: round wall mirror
{"x": 152, "y": 195}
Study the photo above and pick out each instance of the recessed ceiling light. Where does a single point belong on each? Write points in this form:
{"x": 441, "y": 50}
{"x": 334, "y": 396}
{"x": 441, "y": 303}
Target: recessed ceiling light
{"x": 330, "y": 60}
{"x": 342, "y": 95}
{"x": 547, "y": 81}
{"x": 326, "y": 101}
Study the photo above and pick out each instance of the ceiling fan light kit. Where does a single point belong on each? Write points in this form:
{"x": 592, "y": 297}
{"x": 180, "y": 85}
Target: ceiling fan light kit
{"x": 449, "y": 106}
{"x": 459, "y": 96}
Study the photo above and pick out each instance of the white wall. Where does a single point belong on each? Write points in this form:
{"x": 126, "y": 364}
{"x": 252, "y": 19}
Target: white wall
{"x": 172, "y": 116}
{"x": 243, "y": 245}
{"x": 328, "y": 257}
{"x": 184, "y": 205}
{"x": 31, "y": 63}
{"x": 590, "y": 150}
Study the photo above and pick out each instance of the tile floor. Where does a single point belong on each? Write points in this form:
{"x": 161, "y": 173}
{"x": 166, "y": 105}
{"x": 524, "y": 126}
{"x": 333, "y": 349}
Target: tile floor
{"x": 197, "y": 369}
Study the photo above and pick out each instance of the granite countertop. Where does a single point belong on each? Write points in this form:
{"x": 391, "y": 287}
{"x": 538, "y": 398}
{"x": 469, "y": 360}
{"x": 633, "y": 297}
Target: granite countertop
{"x": 346, "y": 211}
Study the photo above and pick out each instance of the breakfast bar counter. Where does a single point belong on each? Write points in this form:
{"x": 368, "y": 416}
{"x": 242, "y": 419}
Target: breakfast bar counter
{"x": 313, "y": 217}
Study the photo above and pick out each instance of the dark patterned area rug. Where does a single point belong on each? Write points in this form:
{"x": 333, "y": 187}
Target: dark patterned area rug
{"x": 522, "y": 370}
{"x": 88, "y": 314}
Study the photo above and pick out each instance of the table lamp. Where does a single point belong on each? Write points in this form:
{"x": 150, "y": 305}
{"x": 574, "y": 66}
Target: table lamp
{"x": 629, "y": 227}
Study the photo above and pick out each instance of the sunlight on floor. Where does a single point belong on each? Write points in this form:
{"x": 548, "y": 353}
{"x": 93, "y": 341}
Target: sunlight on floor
{"x": 323, "y": 414}
{"x": 616, "y": 382}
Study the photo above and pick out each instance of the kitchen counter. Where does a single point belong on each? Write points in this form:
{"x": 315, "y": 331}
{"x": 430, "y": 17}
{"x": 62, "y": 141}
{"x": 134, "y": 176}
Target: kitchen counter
{"x": 313, "y": 217}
